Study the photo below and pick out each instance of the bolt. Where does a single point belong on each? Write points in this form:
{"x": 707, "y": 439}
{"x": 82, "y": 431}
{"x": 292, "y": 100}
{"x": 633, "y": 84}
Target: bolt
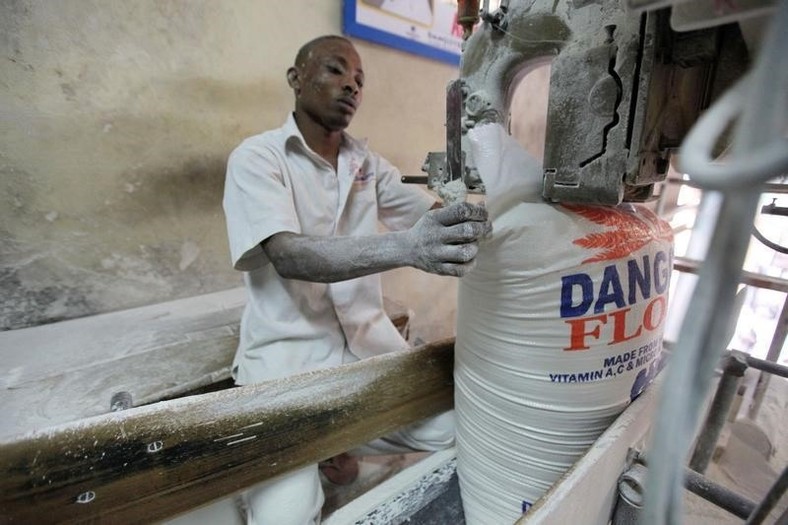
{"x": 86, "y": 497}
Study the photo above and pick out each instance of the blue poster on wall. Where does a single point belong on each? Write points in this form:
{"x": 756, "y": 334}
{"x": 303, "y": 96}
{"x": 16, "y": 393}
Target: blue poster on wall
{"x": 423, "y": 27}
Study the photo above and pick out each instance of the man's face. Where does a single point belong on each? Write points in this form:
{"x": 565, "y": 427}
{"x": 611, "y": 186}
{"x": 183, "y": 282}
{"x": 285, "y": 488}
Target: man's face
{"x": 329, "y": 84}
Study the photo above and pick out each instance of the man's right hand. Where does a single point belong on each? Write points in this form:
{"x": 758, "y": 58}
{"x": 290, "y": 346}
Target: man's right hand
{"x": 445, "y": 241}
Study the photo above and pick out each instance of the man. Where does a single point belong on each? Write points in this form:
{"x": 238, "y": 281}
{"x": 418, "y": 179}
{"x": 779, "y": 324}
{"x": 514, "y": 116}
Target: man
{"x": 302, "y": 204}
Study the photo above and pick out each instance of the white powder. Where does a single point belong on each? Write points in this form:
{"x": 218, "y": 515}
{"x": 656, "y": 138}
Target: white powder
{"x": 452, "y": 192}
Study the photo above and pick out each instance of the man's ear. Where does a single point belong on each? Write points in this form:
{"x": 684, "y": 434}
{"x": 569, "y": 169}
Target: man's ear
{"x": 293, "y": 80}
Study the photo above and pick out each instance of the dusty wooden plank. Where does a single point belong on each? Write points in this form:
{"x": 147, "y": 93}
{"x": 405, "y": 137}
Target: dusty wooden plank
{"x": 162, "y": 372}
{"x": 152, "y": 462}
{"x": 68, "y": 371}
{"x": 35, "y": 353}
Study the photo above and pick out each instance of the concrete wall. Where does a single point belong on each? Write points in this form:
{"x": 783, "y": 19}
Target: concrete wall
{"x": 116, "y": 119}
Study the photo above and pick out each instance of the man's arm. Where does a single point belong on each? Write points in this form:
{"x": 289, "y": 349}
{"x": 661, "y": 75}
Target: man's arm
{"x": 444, "y": 241}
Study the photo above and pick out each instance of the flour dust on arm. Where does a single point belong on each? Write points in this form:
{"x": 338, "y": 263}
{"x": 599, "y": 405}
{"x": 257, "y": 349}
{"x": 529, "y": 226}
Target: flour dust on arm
{"x": 444, "y": 242}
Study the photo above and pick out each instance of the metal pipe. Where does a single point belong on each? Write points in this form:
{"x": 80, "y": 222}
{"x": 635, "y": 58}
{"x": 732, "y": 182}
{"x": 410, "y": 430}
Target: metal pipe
{"x": 773, "y": 209}
{"x": 721, "y": 496}
{"x": 700, "y": 342}
{"x": 630, "y": 495}
{"x": 778, "y": 340}
{"x": 734, "y": 366}
{"x": 766, "y": 188}
{"x": 698, "y": 351}
{"x": 770, "y": 500}
{"x": 767, "y": 366}
{"x": 467, "y": 16}
{"x": 629, "y": 505}
{"x": 687, "y": 265}
{"x": 780, "y": 333}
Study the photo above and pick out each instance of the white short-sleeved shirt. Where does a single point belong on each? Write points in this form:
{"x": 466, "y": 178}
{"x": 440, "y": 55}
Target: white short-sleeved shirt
{"x": 276, "y": 183}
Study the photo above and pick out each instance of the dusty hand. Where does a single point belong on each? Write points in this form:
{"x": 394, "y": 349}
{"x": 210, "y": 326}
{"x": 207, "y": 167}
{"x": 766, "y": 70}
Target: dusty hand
{"x": 445, "y": 241}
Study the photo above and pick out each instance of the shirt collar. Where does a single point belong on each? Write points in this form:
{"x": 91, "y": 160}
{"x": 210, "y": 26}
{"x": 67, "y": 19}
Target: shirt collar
{"x": 349, "y": 143}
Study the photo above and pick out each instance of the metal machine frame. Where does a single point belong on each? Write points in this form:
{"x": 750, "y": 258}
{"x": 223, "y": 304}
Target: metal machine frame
{"x": 624, "y": 90}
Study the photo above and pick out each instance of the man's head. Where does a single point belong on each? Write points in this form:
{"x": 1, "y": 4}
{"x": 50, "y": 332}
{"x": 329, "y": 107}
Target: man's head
{"x": 327, "y": 80}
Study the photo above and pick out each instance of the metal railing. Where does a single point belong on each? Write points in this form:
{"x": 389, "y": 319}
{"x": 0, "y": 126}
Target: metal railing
{"x": 632, "y": 484}
{"x": 758, "y": 154}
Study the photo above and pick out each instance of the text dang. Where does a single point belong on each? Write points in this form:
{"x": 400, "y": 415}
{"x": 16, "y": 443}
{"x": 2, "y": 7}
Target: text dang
{"x": 630, "y": 298}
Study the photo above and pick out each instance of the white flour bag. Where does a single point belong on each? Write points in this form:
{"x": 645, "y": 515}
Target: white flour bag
{"x": 559, "y": 327}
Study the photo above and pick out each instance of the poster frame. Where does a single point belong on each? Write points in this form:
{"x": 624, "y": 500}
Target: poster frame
{"x": 353, "y": 28}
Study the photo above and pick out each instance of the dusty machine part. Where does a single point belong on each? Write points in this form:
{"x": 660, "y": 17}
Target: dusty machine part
{"x": 624, "y": 90}
{"x": 631, "y": 491}
{"x": 630, "y": 495}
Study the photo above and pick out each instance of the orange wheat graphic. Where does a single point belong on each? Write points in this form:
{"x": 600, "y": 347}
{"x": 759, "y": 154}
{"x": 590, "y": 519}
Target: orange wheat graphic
{"x": 631, "y": 230}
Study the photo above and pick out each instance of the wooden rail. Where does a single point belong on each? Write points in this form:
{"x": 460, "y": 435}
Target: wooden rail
{"x": 156, "y": 461}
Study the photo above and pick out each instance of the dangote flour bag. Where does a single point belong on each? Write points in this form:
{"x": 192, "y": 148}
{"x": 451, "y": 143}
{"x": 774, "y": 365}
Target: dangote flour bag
{"x": 559, "y": 327}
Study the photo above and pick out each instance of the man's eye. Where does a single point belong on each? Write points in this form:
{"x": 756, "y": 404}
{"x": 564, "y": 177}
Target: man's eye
{"x": 360, "y": 82}
{"x": 335, "y": 70}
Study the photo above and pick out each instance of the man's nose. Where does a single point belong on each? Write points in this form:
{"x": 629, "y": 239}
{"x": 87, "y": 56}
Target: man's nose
{"x": 351, "y": 87}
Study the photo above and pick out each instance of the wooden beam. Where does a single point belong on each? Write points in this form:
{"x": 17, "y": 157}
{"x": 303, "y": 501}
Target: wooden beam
{"x": 156, "y": 461}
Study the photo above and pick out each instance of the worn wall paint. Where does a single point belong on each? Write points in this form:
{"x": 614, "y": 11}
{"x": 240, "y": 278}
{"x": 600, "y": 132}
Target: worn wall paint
{"x": 117, "y": 119}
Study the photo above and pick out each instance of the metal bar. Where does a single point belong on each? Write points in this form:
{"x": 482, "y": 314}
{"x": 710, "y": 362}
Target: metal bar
{"x": 757, "y": 155}
{"x": 775, "y": 188}
{"x": 698, "y": 351}
{"x": 683, "y": 264}
{"x": 735, "y": 365}
{"x": 722, "y": 497}
{"x": 770, "y": 500}
{"x": 767, "y": 366}
{"x": 454, "y": 130}
{"x": 778, "y": 340}
{"x": 773, "y": 209}
{"x": 767, "y": 188}
{"x": 780, "y": 333}
{"x": 630, "y": 495}
{"x": 467, "y": 16}
{"x": 629, "y": 507}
